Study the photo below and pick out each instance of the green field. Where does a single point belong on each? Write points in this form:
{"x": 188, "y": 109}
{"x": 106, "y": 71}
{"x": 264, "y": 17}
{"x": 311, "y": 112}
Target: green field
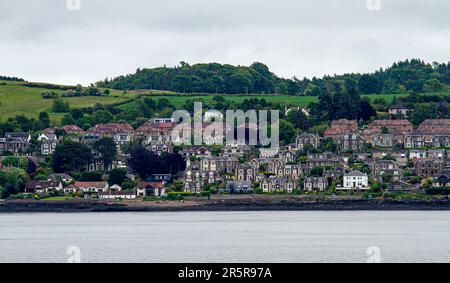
{"x": 17, "y": 99}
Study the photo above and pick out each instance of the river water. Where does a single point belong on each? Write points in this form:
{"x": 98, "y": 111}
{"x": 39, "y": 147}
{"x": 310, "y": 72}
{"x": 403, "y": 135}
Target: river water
{"x": 265, "y": 237}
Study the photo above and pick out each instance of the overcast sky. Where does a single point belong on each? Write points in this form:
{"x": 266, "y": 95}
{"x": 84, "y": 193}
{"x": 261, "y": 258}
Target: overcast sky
{"x": 42, "y": 40}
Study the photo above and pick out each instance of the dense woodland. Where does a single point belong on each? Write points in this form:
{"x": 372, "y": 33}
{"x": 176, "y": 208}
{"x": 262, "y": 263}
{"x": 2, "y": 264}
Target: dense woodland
{"x": 410, "y": 75}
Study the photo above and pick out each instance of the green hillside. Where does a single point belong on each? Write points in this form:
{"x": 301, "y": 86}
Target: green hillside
{"x": 17, "y": 99}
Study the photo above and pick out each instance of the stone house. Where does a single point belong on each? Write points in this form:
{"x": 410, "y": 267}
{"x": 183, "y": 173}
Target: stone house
{"x": 245, "y": 173}
{"x": 431, "y": 133}
{"x": 320, "y": 184}
{"x": 304, "y": 139}
{"x": 222, "y": 165}
{"x": 397, "y": 130}
{"x": 274, "y": 184}
{"x": 341, "y": 127}
{"x": 386, "y": 167}
{"x": 429, "y": 167}
{"x": 350, "y": 142}
{"x": 17, "y": 143}
{"x": 326, "y": 159}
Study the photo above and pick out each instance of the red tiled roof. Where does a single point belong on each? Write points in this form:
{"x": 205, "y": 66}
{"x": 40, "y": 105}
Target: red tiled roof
{"x": 111, "y": 129}
{"x": 434, "y": 127}
{"x": 72, "y": 128}
{"x": 387, "y": 123}
{"x": 42, "y": 184}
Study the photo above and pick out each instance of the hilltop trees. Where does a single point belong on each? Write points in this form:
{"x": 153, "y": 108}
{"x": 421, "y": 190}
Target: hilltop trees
{"x": 409, "y": 75}
{"x": 202, "y": 78}
{"x": 340, "y": 102}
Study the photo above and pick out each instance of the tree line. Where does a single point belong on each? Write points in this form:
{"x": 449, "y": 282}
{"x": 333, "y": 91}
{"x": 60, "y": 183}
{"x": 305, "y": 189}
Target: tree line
{"x": 404, "y": 76}
{"x": 12, "y": 79}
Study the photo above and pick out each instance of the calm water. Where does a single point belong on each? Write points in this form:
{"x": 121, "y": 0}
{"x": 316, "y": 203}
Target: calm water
{"x": 227, "y": 237}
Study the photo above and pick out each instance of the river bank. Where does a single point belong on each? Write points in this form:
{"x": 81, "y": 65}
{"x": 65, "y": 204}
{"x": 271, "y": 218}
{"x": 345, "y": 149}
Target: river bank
{"x": 225, "y": 204}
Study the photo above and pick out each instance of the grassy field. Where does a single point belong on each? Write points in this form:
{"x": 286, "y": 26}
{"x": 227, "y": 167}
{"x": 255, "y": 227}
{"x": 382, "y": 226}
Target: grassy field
{"x": 16, "y": 99}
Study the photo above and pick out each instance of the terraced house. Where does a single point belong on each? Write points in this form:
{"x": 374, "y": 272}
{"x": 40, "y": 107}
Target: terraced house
{"x": 351, "y": 142}
{"x": 387, "y": 133}
{"x": 431, "y": 133}
{"x": 341, "y": 127}
{"x": 429, "y": 167}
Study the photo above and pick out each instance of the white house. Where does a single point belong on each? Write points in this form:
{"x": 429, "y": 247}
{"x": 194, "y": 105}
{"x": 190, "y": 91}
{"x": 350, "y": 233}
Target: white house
{"x": 48, "y": 143}
{"x": 355, "y": 181}
{"x": 417, "y": 154}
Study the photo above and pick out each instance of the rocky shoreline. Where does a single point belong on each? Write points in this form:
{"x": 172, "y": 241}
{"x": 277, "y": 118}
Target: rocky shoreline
{"x": 85, "y": 206}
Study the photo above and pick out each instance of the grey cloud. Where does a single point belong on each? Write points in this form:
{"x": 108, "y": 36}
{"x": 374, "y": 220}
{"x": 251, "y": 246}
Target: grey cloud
{"x": 41, "y": 40}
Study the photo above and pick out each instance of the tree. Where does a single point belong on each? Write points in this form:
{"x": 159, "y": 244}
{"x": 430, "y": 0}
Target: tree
{"x": 298, "y": 119}
{"x": 71, "y": 156}
{"x": 328, "y": 144}
{"x": 13, "y": 181}
{"x": 287, "y": 132}
{"x": 117, "y": 176}
{"x": 91, "y": 177}
{"x": 102, "y": 117}
{"x": 59, "y": 106}
{"x": 146, "y": 163}
{"x": 369, "y": 84}
{"x": 77, "y": 114}
{"x": 423, "y": 112}
{"x": 432, "y": 85}
{"x": 366, "y": 110}
{"x": 45, "y": 119}
{"x": 107, "y": 149}
{"x": 68, "y": 120}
